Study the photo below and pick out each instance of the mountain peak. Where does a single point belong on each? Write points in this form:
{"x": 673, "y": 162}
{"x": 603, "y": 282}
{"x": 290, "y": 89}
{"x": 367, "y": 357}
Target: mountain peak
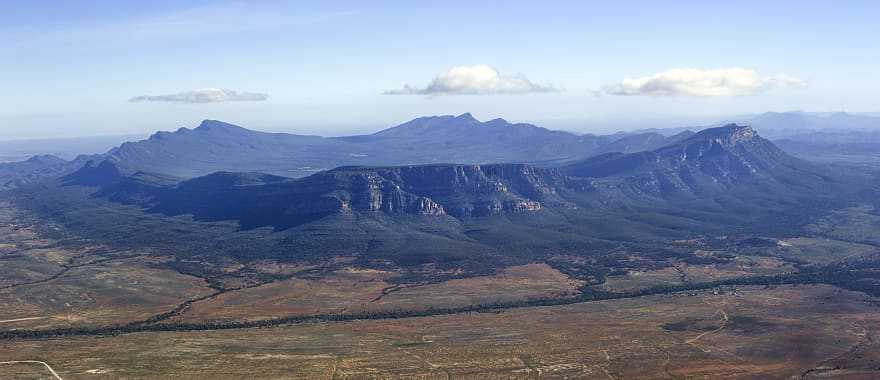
{"x": 497, "y": 122}
{"x": 710, "y": 158}
{"x": 46, "y": 159}
{"x": 467, "y": 117}
{"x": 217, "y": 125}
{"x": 95, "y": 174}
{"x": 727, "y": 135}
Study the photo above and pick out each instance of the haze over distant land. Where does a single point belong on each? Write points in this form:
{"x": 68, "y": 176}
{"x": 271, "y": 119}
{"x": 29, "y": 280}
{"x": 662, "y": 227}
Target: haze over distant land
{"x": 773, "y": 125}
{"x": 66, "y": 148}
{"x": 215, "y": 146}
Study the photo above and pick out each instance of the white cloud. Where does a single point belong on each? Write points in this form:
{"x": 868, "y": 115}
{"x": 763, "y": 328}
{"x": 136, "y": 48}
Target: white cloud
{"x": 474, "y": 80}
{"x": 733, "y": 81}
{"x": 207, "y": 95}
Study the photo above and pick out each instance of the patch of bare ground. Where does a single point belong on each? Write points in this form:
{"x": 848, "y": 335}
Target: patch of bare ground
{"x": 779, "y": 332}
{"x": 680, "y": 273}
{"x": 522, "y": 282}
{"x": 358, "y": 290}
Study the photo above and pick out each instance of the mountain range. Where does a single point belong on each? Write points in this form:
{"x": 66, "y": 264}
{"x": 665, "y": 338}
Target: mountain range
{"x": 65, "y": 148}
{"x": 213, "y": 194}
{"x": 714, "y": 180}
{"x": 703, "y": 165}
{"x": 215, "y": 146}
{"x": 218, "y": 146}
{"x": 829, "y": 137}
{"x": 37, "y": 168}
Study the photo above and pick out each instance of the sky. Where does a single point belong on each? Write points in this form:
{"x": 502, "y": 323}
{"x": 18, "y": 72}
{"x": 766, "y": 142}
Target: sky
{"x": 80, "y": 68}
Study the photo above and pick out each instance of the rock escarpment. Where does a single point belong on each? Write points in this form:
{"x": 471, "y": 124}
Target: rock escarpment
{"x": 457, "y": 190}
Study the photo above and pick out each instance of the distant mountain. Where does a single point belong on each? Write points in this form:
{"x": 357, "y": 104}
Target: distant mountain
{"x": 217, "y": 146}
{"x": 639, "y": 142}
{"x": 35, "y": 169}
{"x": 662, "y": 131}
{"x": 824, "y": 137}
{"x": 856, "y": 148}
{"x": 721, "y": 152}
{"x": 464, "y": 139}
{"x": 815, "y": 136}
{"x": 65, "y": 148}
{"x": 780, "y": 125}
{"x": 731, "y": 162}
{"x": 776, "y": 125}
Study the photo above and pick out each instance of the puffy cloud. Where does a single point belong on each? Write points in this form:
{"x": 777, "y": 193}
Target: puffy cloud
{"x": 733, "y": 81}
{"x": 474, "y": 80}
{"x": 207, "y": 95}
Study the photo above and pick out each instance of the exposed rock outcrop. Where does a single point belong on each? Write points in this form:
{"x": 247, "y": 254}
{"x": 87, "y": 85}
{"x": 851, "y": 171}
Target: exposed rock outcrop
{"x": 711, "y": 160}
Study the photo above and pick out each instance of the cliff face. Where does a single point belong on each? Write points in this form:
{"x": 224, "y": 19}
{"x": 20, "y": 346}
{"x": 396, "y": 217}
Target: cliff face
{"x": 457, "y": 190}
{"x": 371, "y": 192}
{"x": 257, "y": 200}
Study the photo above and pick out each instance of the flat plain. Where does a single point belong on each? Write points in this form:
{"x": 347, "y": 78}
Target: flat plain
{"x": 748, "y": 332}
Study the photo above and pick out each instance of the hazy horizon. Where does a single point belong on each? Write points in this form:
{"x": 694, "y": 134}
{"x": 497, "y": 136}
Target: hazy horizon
{"x": 599, "y": 127}
{"x": 570, "y": 125}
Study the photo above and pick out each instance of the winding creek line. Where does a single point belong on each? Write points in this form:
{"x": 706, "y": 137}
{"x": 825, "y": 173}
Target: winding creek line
{"x": 151, "y": 324}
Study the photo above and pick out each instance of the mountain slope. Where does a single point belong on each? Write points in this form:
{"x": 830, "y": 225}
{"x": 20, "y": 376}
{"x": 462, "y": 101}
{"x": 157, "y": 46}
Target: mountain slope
{"x": 729, "y": 164}
{"x": 715, "y": 157}
{"x": 256, "y": 199}
{"x": 464, "y": 139}
{"x": 727, "y": 173}
{"x": 217, "y": 146}
{"x": 717, "y": 182}
{"x": 36, "y": 169}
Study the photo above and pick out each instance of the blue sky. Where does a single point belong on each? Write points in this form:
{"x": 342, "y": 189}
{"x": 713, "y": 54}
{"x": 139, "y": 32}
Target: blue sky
{"x": 70, "y": 68}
